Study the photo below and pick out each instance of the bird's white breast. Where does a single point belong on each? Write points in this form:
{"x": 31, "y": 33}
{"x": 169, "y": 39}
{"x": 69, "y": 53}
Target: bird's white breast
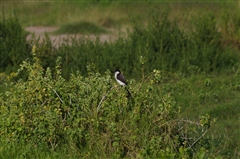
{"x": 116, "y": 73}
{"x": 120, "y": 82}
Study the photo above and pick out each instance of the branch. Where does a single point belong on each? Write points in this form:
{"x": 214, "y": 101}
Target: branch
{"x": 103, "y": 98}
{"x": 55, "y": 92}
{"x": 189, "y": 121}
{"x": 197, "y": 139}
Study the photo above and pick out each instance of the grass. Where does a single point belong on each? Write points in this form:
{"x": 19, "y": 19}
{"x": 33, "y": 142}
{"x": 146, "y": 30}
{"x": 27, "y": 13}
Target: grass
{"x": 21, "y": 150}
{"x": 107, "y": 14}
{"x": 81, "y": 27}
{"x": 218, "y": 100}
{"x": 60, "y": 13}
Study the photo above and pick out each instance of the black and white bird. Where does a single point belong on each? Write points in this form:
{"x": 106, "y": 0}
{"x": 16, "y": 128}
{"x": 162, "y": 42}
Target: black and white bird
{"x": 120, "y": 78}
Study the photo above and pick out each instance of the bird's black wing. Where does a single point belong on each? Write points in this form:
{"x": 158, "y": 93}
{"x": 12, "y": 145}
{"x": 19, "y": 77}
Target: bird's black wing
{"x": 121, "y": 78}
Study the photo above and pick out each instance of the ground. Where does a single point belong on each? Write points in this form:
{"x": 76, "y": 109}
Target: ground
{"x": 39, "y": 31}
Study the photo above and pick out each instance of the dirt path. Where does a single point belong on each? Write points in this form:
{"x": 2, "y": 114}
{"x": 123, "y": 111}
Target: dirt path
{"x": 39, "y": 31}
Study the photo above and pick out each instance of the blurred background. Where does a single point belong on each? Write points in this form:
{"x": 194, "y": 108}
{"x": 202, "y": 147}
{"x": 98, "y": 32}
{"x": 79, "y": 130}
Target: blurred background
{"x": 110, "y": 17}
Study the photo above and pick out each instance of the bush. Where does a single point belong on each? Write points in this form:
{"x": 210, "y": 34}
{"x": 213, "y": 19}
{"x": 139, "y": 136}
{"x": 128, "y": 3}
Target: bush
{"x": 93, "y": 116}
{"x": 208, "y": 54}
{"x": 161, "y": 44}
{"x": 14, "y": 47}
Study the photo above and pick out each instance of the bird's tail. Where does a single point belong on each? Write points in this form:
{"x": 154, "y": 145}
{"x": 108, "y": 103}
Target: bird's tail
{"x": 130, "y": 100}
{"x": 129, "y": 94}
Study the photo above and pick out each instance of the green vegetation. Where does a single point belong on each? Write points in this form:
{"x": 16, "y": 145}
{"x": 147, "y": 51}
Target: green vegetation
{"x": 62, "y": 102}
{"x": 12, "y": 39}
{"x": 81, "y": 27}
{"x": 110, "y": 14}
{"x": 92, "y": 116}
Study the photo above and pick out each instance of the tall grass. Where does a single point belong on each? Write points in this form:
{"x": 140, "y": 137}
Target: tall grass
{"x": 161, "y": 44}
{"x": 99, "y": 12}
{"x": 14, "y": 47}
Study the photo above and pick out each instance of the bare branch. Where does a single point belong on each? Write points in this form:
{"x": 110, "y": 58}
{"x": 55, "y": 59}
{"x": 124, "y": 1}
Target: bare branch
{"x": 198, "y": 139}
{"x": 189, "y": 121}
{"x": 103, "y": 98}
{"x": 55, "y": 92}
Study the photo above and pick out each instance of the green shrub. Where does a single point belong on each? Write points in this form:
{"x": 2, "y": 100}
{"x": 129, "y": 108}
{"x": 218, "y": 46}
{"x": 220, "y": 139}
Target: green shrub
{"x": 167, "y": 47}
{"x": 14, "y": 47}
{"x": 93, "y": 115}
{"x": 208, "y": 55}
{"x": 161, "y": 45}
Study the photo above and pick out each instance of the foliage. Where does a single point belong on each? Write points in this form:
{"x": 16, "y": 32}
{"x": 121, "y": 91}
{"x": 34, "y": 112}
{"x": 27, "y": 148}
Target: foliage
{"x": 14, "y": 48}
{"x": 93, "y": 116}
{"x": 165, "y": 46}
{"x": 71, "y": 107}
{"x": 161, "y": 44}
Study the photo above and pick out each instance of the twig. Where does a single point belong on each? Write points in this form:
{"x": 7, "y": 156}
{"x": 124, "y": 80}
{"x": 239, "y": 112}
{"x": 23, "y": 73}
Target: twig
{"x": 197, "y": 139}
{"x": 45, "y": 101}
{"x": 179, "y": 120}
{"x": 55, "y": 92}
{"x": 70, "y": 99}
{"x": 189, "y": 121}
{"x": 103, "y": 98}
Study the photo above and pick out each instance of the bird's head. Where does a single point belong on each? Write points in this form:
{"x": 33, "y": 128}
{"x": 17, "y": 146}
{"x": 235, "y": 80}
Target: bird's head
{"x": 117, "y": 70}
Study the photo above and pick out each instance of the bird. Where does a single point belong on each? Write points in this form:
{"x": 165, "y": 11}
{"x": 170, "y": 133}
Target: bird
{"x": 120, "y": 78}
